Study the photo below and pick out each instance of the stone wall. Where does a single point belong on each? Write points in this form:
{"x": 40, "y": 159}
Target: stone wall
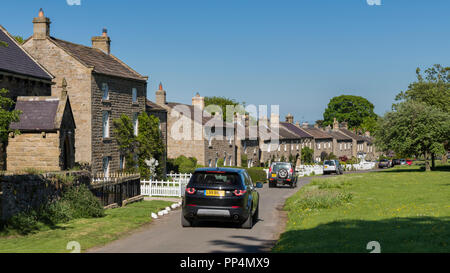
{"x": 25, "y": 192}
{"x": 78, "y": 78}
{"x": 34, "y": 150}
{"x": 22, "y": 86}
{"x": 119, "y": 102}
{"x": 219, "y": 149}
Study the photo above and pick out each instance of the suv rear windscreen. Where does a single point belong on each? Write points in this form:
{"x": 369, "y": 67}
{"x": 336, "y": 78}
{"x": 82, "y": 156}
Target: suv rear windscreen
{"x": 278, "y": 166}
{"x": 216, "y": 179}
{"x": 329, "y": 162}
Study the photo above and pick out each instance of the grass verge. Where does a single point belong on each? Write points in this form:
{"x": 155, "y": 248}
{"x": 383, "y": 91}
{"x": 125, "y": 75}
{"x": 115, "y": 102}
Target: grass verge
{"x": 88, "y": 232}
{"x": 404, "y": 209}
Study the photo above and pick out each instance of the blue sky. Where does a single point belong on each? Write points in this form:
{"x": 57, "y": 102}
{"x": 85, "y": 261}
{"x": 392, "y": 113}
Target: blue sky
{"x": 298, "y": 54}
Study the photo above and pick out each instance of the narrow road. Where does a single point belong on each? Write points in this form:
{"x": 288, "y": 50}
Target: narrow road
{"x": 166, "y": 235}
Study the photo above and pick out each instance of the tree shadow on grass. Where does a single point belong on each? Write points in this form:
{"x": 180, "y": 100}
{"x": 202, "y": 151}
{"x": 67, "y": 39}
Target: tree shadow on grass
{"x": 404, "y": 235}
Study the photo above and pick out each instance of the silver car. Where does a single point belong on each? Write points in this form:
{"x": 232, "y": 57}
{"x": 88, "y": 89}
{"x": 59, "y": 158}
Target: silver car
{"x": 332, "y": 166}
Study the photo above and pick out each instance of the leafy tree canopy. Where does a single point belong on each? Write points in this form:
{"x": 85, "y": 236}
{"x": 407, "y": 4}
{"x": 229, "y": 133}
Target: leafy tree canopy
{"x": 307, "y": 155}
{"x": 352, "y": 109}
{"x": 222, "y": 102}
{"x": 432, "y": 88}
{"x": 414, "y": 129}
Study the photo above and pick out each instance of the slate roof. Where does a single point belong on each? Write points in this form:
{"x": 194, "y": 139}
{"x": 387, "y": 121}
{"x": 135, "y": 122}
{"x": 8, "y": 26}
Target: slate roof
{"x": 296, "y": 130}
{"x": 38, "y": 114}
{"x": 352, "y": 134}
{"x": 102, "y": 62}
{"x": 14, "y": 59}
{"x": 339, "y": 136}
{"x": 204, "y": 119}
{"x": 317, "y": 133}
{"x": 150, "y": 105}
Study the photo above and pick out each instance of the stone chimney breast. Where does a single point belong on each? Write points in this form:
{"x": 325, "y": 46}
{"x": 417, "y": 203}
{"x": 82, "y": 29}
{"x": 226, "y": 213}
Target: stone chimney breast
{"x": 102, "y": 42}
{"x": 161, "y": 96}
{"x": 41, "y": 26}
{"x": 198, "y": 101}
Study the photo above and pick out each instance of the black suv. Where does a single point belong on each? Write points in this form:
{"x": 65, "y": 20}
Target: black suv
{"x": 221, "y": 194}
{"x": 282, "y": 173}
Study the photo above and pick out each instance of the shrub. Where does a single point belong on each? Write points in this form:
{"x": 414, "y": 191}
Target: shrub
{"x": 24, "y": 223}
{"x": 257, "y": 174}
{"x": 82, "y": 202}
{"x": 56, "y": 212}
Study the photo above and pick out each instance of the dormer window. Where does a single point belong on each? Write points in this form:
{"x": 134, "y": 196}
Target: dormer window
{"x": 105, "y": 90}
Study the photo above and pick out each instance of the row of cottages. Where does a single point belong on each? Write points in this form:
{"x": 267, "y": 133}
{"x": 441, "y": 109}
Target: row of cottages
{"x": 194, "y": 133}
{"x": 100, "y": 86}
{"x": 292, "y": 138}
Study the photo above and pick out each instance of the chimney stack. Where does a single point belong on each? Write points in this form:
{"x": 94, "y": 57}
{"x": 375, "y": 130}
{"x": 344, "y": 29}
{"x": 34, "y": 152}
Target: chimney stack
{"x": 305, "y": 125}
{"x": 274, "y": 120}
{"x": 344, "y": 125}
{"x": 198, "y": 101}
{"x": 102, "y": 42}
{"x": 41, "y": 26}
{"x": 335, "y": 125}
{"x": 290, "y": 118}
{"x": 297, "y": 124}
{"x": 316, "y": 126}
{"x": 161, "y": 96}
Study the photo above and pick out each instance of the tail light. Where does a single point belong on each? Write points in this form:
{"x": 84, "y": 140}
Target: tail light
{"x": 270, "y": 170}
{"x": 291, "y": 170}
{"x": 239, "y": 192}
{"x": 190, "y": 190}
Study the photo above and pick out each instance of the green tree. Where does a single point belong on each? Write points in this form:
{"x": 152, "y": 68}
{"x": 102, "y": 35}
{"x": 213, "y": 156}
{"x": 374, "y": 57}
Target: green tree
{"x": 307, "y": 155}
{"x": 222, "y": 102}
{"x": 352, "y": 109}
{"x": 150, "y": 145}
{"x": 414, "y": 128}
{"x": 127, "y": 141}
{"x": 431, "y": 88}
{"x": 6, "y": 115}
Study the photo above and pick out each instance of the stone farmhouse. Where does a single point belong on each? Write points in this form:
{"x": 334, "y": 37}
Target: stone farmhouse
{"x": 194, "y": 133}
{"x": 100, "y": 86}
{"x": 21, "y": 75}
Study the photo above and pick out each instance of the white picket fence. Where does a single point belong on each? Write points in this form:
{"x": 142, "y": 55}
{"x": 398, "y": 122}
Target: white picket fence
{"x": 175, "y": 187}
{"x": 318, "y": 169}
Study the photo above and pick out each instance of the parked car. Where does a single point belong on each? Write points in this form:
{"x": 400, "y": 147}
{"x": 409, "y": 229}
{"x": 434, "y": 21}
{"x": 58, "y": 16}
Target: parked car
{"x": 384, "y": 163}
{"x": 332, "y": 166}
{"x": 402, "y": 161}
{"x": 221, "y": 194}
{"x": 282, "y": 173}
{"x": 409, "y": 162}
{"x": 396, "y": 162}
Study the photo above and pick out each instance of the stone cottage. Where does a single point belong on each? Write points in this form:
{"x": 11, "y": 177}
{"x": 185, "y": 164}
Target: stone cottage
{"x": 21, "y": 75}
{"x": 100, "y": 86}
{"x": 323, "y": 142}
{"x": 194, "y": 133}
{"x": 47, "y": 135}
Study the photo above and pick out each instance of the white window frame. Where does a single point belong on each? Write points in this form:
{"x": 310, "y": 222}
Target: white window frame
{"x": 105, "y": 123}
{"x": 134, "y": 95}
{"x": 106, "y": 165}
{"x": 105, "y": 90}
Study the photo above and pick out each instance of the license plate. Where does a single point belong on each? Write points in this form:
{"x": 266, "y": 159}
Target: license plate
{"x": 326, "y": 167}
{"x": 214, "y": 193}
{"x": 274, "y": 175}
